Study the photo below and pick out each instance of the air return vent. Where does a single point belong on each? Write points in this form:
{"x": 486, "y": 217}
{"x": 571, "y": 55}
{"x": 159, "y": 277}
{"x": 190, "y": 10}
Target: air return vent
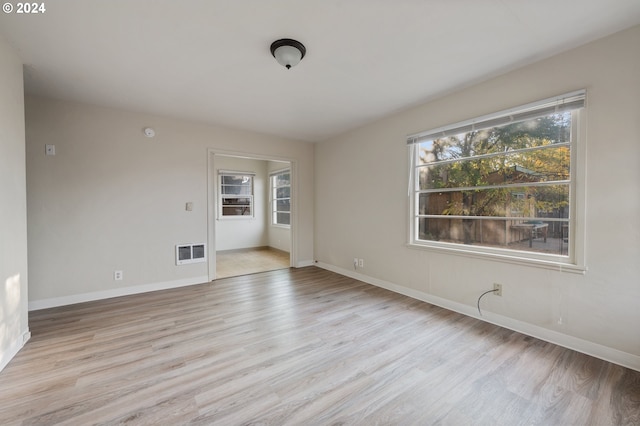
{"x": 191, "y": 253}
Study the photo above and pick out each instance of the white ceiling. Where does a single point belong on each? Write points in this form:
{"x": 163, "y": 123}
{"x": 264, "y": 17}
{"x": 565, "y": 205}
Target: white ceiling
{"x": 209, "y": 60}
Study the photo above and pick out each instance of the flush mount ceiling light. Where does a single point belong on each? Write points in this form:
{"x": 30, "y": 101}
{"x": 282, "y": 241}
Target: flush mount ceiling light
{"x": 288, "y": 52}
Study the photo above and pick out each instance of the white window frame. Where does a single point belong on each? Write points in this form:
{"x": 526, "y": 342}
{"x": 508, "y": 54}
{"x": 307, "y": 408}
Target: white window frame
{"x": 574, "y": 262}
{"x": 222, "y": 196}
{"x": 274, "y": 201}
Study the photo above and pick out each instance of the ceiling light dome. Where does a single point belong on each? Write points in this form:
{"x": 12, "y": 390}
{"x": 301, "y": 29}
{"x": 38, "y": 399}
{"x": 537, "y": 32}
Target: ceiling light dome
{"x": 288, "y": 52}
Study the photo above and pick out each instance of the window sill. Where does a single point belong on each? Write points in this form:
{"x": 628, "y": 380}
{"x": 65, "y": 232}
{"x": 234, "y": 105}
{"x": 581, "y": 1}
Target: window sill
{"x": 275, "y": 225}
{"x": 506, "y": 257}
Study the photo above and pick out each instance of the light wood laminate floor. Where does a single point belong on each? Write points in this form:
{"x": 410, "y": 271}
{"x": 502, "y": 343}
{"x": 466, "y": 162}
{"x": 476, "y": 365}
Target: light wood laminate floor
{"x": 299, "y": 347}
{"x": 232, "y": 263}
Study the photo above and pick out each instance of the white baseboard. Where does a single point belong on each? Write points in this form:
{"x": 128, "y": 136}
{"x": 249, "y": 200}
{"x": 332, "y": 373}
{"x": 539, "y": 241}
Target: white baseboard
{"x": 13, "y": 349}
{"x": 116, "y": 292}
{"x": 590, "y": 348}
{"x": 305, "y": 263}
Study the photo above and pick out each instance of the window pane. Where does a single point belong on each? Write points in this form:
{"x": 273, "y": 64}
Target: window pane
{"x": 554, "y": 128}
{"x": 542, "y": 165}
{"x": 236, "y": 210}
{"x": 282, "y": 179}
{"x": 235, "y": 189}
{"x": 236, "y": 180}
{"x": 236, "y": 201}
{"x": 529, "y": 202}
{"x": 236, "y": 184}
{"x": 533, "y": 236}
{"x": 283, "y": 192}
{"x": 283, "y": 205}
{"x": 283, "y": 218}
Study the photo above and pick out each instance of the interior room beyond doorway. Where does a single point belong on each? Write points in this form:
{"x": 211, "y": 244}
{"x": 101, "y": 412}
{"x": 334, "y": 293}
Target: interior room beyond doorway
{"x": 253, "y": 215}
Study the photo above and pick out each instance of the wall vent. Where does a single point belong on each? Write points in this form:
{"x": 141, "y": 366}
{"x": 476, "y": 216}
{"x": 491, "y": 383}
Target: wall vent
{"x": 191, "y": 253}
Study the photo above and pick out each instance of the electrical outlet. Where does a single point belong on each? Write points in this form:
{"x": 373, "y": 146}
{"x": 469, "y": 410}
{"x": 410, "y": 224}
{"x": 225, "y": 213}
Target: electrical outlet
{"x": 360, "y": 263}
{"x": 497, "y": 287}
{"x": 117, "y": 275}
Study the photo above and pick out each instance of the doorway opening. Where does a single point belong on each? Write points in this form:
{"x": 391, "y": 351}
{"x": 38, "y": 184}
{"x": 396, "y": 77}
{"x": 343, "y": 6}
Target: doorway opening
{"x": 251, "y": 214}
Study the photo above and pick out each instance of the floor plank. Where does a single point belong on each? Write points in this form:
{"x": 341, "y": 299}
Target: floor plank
{"x": 302, "y": 346}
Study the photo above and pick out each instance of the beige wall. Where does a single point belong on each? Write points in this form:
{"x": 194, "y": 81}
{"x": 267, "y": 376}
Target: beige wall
{"x": 362, "y": 207}
{"x": 112, "y": 199}
{"x": 14, "y": 328}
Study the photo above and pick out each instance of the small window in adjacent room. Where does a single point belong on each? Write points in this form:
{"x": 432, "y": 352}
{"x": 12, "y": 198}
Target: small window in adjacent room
{"x": 500, "y": 184}
{"x": 236, "y": 194}
{"x": 281, "y": 198}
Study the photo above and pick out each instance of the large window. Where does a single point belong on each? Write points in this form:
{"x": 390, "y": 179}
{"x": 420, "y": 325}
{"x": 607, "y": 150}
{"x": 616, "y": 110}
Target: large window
{"x": 281, "y": 198}
{"x": 236, "y": 194}
{"x": 503, "y": 183}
